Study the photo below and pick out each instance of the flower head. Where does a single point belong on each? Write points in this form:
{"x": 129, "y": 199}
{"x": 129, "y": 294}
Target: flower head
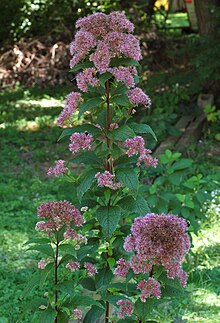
{"x": 122, "y": 268}
{"x": 59, "y": 168}
{"x": 90, "y": 269}
{"x": 77, "y": 314}
{"x": 80, "y": 141}
{"x": 72, "y": 101}
{"x": 73, "y": 266}
{"x": 107, "y": 179}
{"x": 159, "y": 239}
{"x": 137, "y": 96}
{"x": 148, "y": 288}
{"x": 42, "y": 264}
{"x": 85, "y": 78}
{"x": 58, "y": 214}
{"x": 126, "y": 308}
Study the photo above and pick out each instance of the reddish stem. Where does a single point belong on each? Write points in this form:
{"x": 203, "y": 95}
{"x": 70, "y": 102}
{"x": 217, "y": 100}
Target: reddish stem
{"x": 56, "y": 274}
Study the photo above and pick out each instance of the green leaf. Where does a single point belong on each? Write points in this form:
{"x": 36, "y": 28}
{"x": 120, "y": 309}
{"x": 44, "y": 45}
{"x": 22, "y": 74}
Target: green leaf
{"x": 88, "y": 283}
{"x": 143, "y": 310}
{"x": 123, "y": 62}
{"x": 121, "y": 100}
{"x": 87, "y": 158}
{"x": 111, "y": 262}
{"x": 113, "y": 299}
{"x": 182, "y": 164}
{"x": 81, "y": 66}
{"x": 138, "y": 205}
{"x": 141, "y": 205}
{"x": 68, "y": 248}
{"x": 68, "y": 287}
{"x": 43, "y": 248}
{"x": 86, "y": 182}
{"x": 103, "y": 278}
{"x": 128, "y": 177}
{"x": 83, "y": 300}
{"x": 32, "y": 306}
{"x": 89, "y": 104}
{"x": 122, "y": 133}
{"x": 94, "y": 314}
{"x": 104, "y": 77}
{"x": 44, "y": 273}
{"x": 120, "y": 89}
{"x": 37, "y": 240}
{"x": 80, "y": 128}
{"x": 142, "y": 129}
{"x": 108, "y": 217}
{"x": 32, "y": 283}
{"x": 48, "y": 316}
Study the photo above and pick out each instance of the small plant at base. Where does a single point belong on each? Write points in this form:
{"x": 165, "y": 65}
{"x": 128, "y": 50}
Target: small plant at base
{"x": 112, "y": 148}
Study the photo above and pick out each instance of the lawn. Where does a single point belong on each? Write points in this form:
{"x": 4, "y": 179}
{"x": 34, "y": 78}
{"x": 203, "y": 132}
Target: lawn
{"x": 28, "y": 148}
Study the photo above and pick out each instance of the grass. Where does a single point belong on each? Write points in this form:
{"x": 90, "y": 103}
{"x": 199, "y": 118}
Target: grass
{"x": 28, "y": 147}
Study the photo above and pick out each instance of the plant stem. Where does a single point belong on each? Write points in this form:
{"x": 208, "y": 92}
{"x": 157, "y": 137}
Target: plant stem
{"x": 107, "y": 312}
{"x": 56, "y": 274}
{"x": 108, "y": 121}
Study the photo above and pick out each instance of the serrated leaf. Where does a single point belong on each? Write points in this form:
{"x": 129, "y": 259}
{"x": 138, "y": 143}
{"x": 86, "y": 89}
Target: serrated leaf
{"x": 37, "y": 240}
{"x": 94, "y": 314}
{"x": 122, "y": 133}
{"x": 68, "y": 287}
{"x": 48, "y": 316}
{"x": 88, "y": 283}
{"x": 81, "y": 66}
{"x": 86, "y": 182}
{"x": 34, "y": 281}
{"x": 89, "y": 104}
{"x": 87, "y": 158}
{"x": 108, "y": 218}
{"x": 80, "y": 128}
{"x": 142, "y": 207}
{"x": 67, "y": 248}
{"x": 128, "y": 177}
{"x": 142, "y": 129}
{"x": 43, "y": 248}
{"x": 103, "y": 278}
{"x": 123, "y": 62}
{"x": 142, "y": 309}
{"x": 104, "y": 77}
{"x": 121, "y": 100}
{"x": 120, "y": 89}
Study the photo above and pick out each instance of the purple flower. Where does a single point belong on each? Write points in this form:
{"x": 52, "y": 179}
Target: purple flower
{"x": 148, "y": 288}
{"x": 72, "y": 101}
{"x": 73, "y": 266}
{"x": 159, "y": 239}
{"x": 122, "y": 268}
{"x": 107, "y": 179}
{"x": 85, "y": 78}
{"x": 77, "y": 314}
{"x": 90, "y": 269}
{"x": 58, "y": 214}
{"x": 59, "y": 168}
{"x": 126, "y": 308}
{"x": 80, "y": 141}
{"x": 137, "y": 96}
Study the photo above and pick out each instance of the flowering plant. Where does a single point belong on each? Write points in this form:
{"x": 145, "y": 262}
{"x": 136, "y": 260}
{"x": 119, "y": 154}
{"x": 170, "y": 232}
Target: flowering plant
{"x": 85, "y": 252}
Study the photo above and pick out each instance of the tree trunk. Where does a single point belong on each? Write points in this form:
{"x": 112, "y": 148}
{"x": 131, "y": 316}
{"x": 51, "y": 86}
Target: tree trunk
{"x": 205, "y": 15}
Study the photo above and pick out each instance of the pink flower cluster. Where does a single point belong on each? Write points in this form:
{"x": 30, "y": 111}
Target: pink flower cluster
{"x": 80, "y": 141}
{"x": 90, "y": 269}
{"x": 77, "y": 314}
{"x": 72, "y": 101}
{"x": 74, "y": 266}
{"x": 73, "y": 235}
{"x": 126, "y": 308}
{"x": 148, "y": 288}
{"x": 59, "y": 169}
{"x": 58, "y": 215}
{"x": 124, "y": 74}
{"x": 137, "y": 96}
{"x": 159, "y": 239}
{"x": 42, "y": 264}
{"x": 110, "y": 34}
{"x": 122, "y": 268}
{"x": 136, "y": 146}
{"x": 107, "y": 179}
{"x": 85, "y": 78}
